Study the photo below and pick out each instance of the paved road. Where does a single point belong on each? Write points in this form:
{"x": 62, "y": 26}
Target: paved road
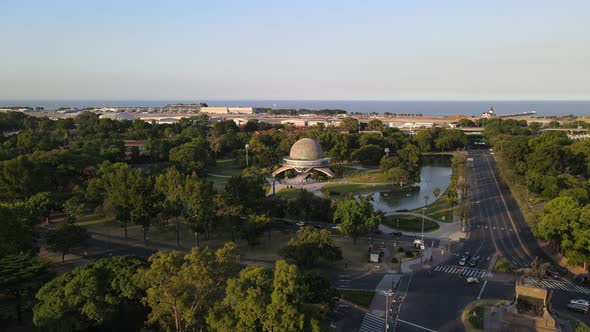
{"x": 495, "y": 225}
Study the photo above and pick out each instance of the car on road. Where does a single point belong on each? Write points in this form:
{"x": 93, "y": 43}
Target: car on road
{"x": 396, "y": 234}
{"x": 466, "y": 255}
{"x": 552, "y": 274}
{"x": 581, "y": 279}
{"x": 578, "y": 307}
{"x": 474, "y": 261}
{"x": 318, "y": 226}
{"x": 472, "y": 280}
{"x": 300, "y": 224}
{"x": 580, "y": 302}
{"x": 334, "y": 226}
{"x": 463, "y": 261}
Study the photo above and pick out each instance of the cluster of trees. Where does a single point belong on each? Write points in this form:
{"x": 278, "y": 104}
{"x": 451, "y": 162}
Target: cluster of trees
{"x": 174, "y": 291}
{"x": 557, "y": 169}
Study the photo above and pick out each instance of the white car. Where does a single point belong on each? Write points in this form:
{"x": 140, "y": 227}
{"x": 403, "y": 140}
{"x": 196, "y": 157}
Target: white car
{"x": 463, "y": 261}
{"x": 300, "y": 224}
{"x": 580, "y": 302}
{"x": 472, "y": 280}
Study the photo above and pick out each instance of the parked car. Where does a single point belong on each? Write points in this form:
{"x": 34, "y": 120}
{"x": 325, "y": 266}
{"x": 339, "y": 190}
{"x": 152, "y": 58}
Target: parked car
{"x": 581, "y": 302}
{"x": 552, "y": 274}
{"x": 578, "y": 307}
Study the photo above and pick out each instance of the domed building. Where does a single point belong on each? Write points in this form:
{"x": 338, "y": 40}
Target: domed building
{"x": 306, "y": 155}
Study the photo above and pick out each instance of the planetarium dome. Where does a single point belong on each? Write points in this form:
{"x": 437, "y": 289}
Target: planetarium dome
{"x": 306, "y": 149}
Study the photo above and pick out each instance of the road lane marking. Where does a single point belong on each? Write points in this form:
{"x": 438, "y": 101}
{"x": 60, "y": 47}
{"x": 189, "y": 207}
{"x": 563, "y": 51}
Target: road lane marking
{"x": 508, "y": 211}
{"x": 415, "y": 325}
{"x": 482, "y": 288}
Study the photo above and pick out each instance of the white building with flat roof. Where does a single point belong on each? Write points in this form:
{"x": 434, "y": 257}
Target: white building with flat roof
{"x": 228, "y": 110}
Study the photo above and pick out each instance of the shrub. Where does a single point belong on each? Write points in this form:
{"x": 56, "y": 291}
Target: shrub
{"x": 476, "y": 317}
{"x": 400, "y": 249}
{"x": 394, "y": 260}
{"x": 503, "y": 266}
{"x": 409, "y": 254}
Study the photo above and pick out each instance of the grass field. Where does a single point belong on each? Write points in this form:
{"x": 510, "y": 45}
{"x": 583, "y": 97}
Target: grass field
{"x": 439, "y": 210}
{"x": 409, "y": 223}
{"x": 225, "y": 168}
{"x": 288, "y": 193}
{"x": 355, "y": 257}
{"x": 362, "y": 298}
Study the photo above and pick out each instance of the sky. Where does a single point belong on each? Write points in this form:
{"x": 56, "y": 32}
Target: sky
{"x": 305, "y": 49}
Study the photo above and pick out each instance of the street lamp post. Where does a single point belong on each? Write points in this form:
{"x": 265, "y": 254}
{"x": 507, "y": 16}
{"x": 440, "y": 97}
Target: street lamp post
{"x": 386, "y": 152}
{"x": 426, "y": 198}
{"x": 247, "y": 146}
{"x": 387, "y": 294}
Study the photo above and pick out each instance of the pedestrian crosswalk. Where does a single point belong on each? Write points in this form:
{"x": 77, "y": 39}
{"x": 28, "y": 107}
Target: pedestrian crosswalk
{"x": 466, "y": 271}
{"x": 372, "y": 323}
{"x": 557, "y": 284}
{"x": 343, "y": 281}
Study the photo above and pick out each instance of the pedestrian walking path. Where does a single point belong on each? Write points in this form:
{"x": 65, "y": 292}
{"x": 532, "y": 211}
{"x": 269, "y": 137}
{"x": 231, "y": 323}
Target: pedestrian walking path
{"x": 465, "y": 271}
{"x": 372, "y": 323}
{"x": 557, "y": 284}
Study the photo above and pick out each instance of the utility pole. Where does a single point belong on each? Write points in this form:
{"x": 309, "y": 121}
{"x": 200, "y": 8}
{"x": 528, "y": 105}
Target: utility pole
{"x": 426, "y": 197}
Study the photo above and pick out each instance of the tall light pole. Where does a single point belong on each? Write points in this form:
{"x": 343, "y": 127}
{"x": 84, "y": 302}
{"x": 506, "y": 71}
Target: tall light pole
{"x": 426, "y": 198}
{"x": 387, "y": 294}
{"x": 247, "y": 146}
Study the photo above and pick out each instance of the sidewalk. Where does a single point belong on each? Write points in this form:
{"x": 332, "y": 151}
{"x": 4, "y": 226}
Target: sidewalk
{"x": 438, "y": 256}
{"x": 450, "y": 231}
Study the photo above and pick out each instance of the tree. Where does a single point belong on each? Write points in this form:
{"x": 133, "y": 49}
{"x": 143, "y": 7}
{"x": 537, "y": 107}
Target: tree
{"x": 369, "y": 154}
{"x": 356, "y": 217}
{"x": 102, "y": 294}
{"x": 180, "y": 288}
{"x": 43, "y": 203}
{"x": 465, "y": 123}
{"x": 560, "y": 216}
{"x": 450, "y": 139}
{"x": 73, "y": 207}
{"x": 16, "y": 228}
{"x": 170, "y": 185}
{"x": 263, "y": 300}
{"x": 349, "y": 124}
{"x": 310, "y": 245}
{"x": 21, "y": 275}
{"x": 375, "y": 124}
{"x": 193, "y": 156}
{"x": 436, "y": 192}
{"x": 256, "y": 224}
{"x": 399, "y": 175}
{"x": 66, "y": 237}
{"x": 199, "y": 197}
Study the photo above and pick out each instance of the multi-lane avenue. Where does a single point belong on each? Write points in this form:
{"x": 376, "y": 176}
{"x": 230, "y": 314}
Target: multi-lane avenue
{"x": 434, "y": 301}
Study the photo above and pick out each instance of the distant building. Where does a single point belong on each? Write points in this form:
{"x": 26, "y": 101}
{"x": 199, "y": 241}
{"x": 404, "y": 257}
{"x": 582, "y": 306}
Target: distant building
{"x": 118, "y": 116}
{"x": 489, "y": 114}
{"x": 295, "y": 122}
{"x": 229, "y": 110}
{"x": 183, "y": 108}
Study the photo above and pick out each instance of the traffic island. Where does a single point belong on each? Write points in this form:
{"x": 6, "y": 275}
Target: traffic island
{"x": 473, "y": 314}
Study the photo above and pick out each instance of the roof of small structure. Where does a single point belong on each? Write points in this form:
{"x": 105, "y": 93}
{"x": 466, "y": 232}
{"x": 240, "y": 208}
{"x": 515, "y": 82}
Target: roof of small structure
{"x": 306, "y": 149}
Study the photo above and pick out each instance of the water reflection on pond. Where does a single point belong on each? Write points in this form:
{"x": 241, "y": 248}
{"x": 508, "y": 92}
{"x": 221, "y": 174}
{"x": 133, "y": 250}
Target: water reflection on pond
{"x": 435, "y": 173}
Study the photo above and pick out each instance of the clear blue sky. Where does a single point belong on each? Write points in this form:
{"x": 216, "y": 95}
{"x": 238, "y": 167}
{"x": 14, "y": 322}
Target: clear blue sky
{"x": 388, "y": 50}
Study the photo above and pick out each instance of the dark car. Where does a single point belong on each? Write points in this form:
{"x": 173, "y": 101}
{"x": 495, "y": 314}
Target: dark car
{"x": 552, "y": 274}
{"x": 582, "y": 279}
{"x": 474, "y": 261}
{"x": 396, "y": 233}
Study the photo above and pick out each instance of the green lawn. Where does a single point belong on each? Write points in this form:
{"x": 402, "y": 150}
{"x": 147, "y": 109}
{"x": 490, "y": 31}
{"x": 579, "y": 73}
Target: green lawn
{"x": 359, "y": 297}
{"x": 439, "y": 210}
{"x": 410, "y": 223}
{"x": 368, "y": 176}
{"x": 288, "y": 193}
{"x": 225, "y": 167}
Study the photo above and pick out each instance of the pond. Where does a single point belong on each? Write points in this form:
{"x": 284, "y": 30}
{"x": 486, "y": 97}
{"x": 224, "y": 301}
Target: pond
{"x": 436, "y": 172}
